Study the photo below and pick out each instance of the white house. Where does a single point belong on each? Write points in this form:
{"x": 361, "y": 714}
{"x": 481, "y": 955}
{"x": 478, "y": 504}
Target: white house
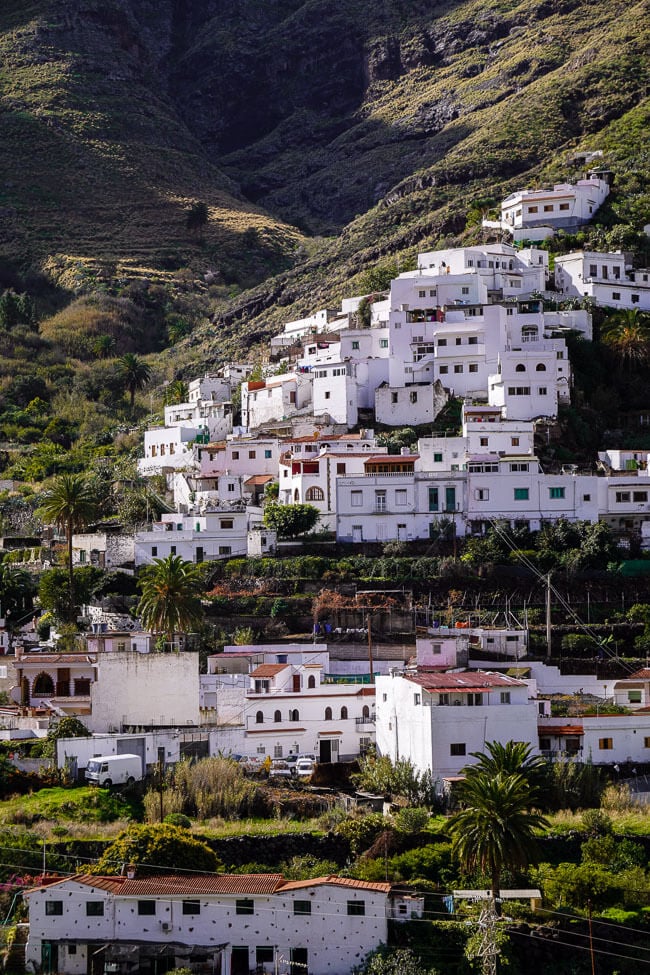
{"x": 607, "y": 278}
{"x": 436, "y": 720}
{"x": 108, "y": 547}
{"x": 195, "y": 537}
{"x": 276, "y": 398}
{"x": 603, "y": 739}
{"x": 565, "y": 205}
{"x": 232, "y": 923}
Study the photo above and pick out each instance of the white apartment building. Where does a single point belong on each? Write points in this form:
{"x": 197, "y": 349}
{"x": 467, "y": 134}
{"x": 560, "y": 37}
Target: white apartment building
{"x": 564, "y": 206}
{"x": 233, "y": 923}
{"x": 603, "y": 739}
{"x": 502, "y": 270}
{"x": 607, "y": 278}
{"x": 436, "y": 720}
{"x": 244, "y": 456}
{"x": 310, "y": 467}
{"x": 532, "y": 381}
{"x": 195, "y": 537}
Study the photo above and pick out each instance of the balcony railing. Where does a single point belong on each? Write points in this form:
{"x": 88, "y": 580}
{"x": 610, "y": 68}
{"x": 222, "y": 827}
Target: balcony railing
{"x": 369, "y": 720}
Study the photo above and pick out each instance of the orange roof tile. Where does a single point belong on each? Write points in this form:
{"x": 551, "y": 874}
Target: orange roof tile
{"x": 333, "y": 880}
{"x": 268, "y": 670}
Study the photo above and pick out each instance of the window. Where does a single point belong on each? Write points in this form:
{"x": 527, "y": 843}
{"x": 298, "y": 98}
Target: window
{"x": 586, "y": 497}
{"x": 259, "y": 717}
{"x": 548, "y": 208}
{"x": 268, "y": 454}
{"x": 459, "y": 341}
{"x": 521, "y": 494}
{"x": 622, "y": 496}
{"x": 433, "y": 499}
{"x": 393, "y": 397}
{"x": 532, "y": 209}
{"x": 635, "y": 299}
{"x": 244, "y": 906}
{"x": 473, "y": 367}
{"x": 444, "y": 370}
{"x": 593, "y": 271}
{"x": 344, "y": 714}
{"x": 442, "y": 342}
{"x": 356, "y": 498}
{"x": 225, "y": 550}
{"x": 380, "y": 501}
{"x": 327, "y": 394}
{"x": 355, "y": 346}
{"x": 457, "y": 748}
{"x": 154, "y": 550}
{"x": 639, "y": 495}
{"x": 540, "y": 367}
{"x": 94, "y": 908}
{"x": 518, "y": 390}
{"x": 556, "y": 493}
{"x": 458, "y": 368}
{"x": 146, "y": 908}
{"x": 294, "y": 715}
{"x": 646, "y": 742}
{"x": 191, "y": 907}
{"x": 252, "y": 454}
{"x": 505, "y": 697}
{"x": 340, "y": 469}
{"x": 314, "y": 494}
{"x": 437, "y": 458}
{"x": 277, "y": 716}
{"x": 518, "y": 467}
{"x": 616, "y": 295}
{"x": 541, "y": 390}
{"x": 302, "y": 907}
{"x": 226, "y": 523}
{"x": 413, "y": 397}
{"x": 634, "y": 697}
{"x": 328, "y": 714}
{"x": 417, "y": 699}
{"x": 383, "y": 343}
{"x": 520, "y": 367}
{"x": 53, "y": 908}
{"x": 605, "y": 744}
{"x": 264, "y": 955}
{"x": 483, "y": 441}
{"x": 172, "y": 549}
{"x": 400, "y": 497}
{"x": 356, "y": 908}
{"x": 564, "y": 206}
{"x": 235, "y": 455}
{"x": 482, "y": 494}
{"x": 277, "y": 751}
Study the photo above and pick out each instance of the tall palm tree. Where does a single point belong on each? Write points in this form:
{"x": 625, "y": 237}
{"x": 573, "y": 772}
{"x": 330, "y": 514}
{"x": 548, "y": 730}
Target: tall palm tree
{"x": 70, "y": 503}
{"x": 136, "y": 374}
{"x": 627, "y": 333}
{"x": 171, "y": 596}
{"x": 495, "y": 829}
{"x": 513, "y": 758}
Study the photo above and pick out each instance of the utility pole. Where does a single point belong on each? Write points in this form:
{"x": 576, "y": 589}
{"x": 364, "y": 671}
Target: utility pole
{"x": 488, "y": 951}
{"x": 548, "y": 617}
{"x": 591, "y": 940}
{"x": 370, "y": 663}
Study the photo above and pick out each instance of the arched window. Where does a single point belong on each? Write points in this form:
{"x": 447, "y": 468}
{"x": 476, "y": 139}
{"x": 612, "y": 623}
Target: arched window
{"x": 311, "y": 682}
{"x": 277, "y": 716}
{"x": 365, "y": 711}
{"x": 540, "y": 367}
{"x": 328, "y": 714}
{"x": 315, "y": 494}
{"x": 44, "y": 685}
{"x": 296, "y": 495}
{"x": 520, "y": 367}
{"x": 344, "y": 714}
{"x": 294, "y": 715}
{"x": 259, "y": 717}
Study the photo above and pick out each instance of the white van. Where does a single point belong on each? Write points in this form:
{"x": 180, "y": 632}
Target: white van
{"x": 108, "y": 770}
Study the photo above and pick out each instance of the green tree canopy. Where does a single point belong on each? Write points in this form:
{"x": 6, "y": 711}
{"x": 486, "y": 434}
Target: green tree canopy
{"x": 16, "y": 594}
{"x": 290, "y": 520}
{"x": 70, "y": 503}
{"x": 171, "y": 596}
{"x": 513, "y": 758}
{"x": 69, "y": 727}
{"x": 393, "y": 961}
{"x": 156, "y": 849}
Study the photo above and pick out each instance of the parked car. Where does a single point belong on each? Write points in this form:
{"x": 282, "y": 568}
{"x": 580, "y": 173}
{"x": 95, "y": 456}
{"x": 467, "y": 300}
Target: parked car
{"x": 312, "y": 758}
{"x": 280, "y": 770}
{"x": 304, "y": 767}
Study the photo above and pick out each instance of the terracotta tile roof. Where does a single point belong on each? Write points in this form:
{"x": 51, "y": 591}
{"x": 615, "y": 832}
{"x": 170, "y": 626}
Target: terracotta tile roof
{"x": 643, "y": 674}
{"x": 208, "y": 883}
{"x": 466, "y": 681}
{"x": 334, "y": 881}
{"x": 391, "y": 458}
{"x": 259, "y": 479}
{"x": 563, "y": 729}
{"x": 57, "y": 658}
{"x": 268, "y": 670}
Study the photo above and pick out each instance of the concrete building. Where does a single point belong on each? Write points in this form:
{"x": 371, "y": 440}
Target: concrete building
{"x": 195, "y": 537}
{"x": 609, "y": 279}
{"x": 436, "y": 720}
{"x": 564, "y": 206}
{"x": 108, "y": 547}
{"x": 232, "y": 923}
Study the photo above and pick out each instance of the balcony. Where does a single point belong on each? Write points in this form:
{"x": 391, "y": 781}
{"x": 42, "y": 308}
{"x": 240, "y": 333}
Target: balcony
{"x": 366, "y": 723}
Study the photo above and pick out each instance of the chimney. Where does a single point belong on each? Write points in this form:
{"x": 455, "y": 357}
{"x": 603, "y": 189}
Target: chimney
{"x": 130, "y": 871}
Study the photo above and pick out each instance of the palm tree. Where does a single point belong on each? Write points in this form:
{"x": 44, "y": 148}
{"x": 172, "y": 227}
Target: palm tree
{"x": 135, "y": 374}
{"x": 627, "y": 334}
{"x": 495, "y": 829}
{"x": 513, "y": 758}
{"x": 70, "y": 503}
{"x": 171, "y": 596}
